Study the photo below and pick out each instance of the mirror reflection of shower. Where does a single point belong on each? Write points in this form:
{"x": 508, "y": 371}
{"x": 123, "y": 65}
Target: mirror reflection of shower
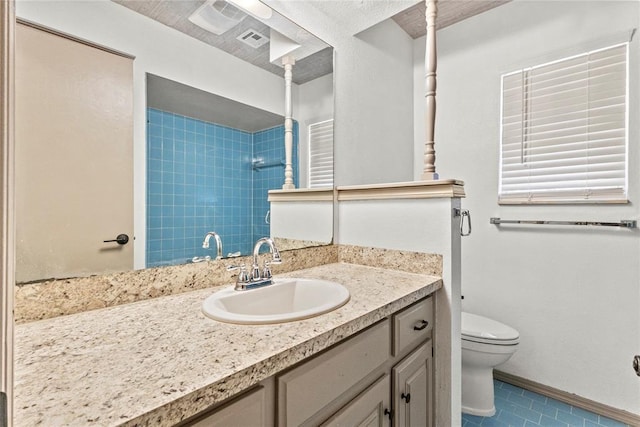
{"x": 209, "y": 171}
{"x": 211, "y": 161}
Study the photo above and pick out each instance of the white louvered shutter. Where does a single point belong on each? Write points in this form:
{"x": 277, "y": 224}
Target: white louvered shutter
{"x": 321, "y": 154}
{"x": 564, "y": 130}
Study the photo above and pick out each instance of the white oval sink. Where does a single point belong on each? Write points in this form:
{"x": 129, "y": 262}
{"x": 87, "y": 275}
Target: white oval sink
{"x": 284, "y": 301}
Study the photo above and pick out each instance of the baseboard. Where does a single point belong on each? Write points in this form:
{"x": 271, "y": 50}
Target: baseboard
{"x": 569, "y": 398}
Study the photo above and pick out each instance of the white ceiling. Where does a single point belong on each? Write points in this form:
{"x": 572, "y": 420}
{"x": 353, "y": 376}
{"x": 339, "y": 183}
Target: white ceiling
{"x": 175, "y": 14}
{"x": 356, "y": 16}
{"x": 351, "y": 17}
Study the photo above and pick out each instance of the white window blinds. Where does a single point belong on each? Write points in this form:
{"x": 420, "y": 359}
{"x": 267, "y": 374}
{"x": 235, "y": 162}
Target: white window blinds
{"x": 564, "y": 130}
{"x": 321, "y": 154}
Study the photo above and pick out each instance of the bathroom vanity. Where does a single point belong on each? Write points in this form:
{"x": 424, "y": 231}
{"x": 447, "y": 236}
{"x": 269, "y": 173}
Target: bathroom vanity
{"x": 161, "y": 362}
{"x": 350, "y": 383}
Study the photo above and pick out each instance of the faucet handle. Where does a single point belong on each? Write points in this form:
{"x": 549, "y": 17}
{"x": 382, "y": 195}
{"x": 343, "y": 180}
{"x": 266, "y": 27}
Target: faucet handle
{"x": 255, "y": 273}
{"x": 266, "y": 271}
{"x": 243, "y": 276}
{"x": 275, "y": 257}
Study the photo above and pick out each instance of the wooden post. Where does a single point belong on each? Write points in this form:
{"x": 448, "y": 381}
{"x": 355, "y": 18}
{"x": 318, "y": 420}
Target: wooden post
{"x": 429, "y": 172}
{"x": 288, "y": 62}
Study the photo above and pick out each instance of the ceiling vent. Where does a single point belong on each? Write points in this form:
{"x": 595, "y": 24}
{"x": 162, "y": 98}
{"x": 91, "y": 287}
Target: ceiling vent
{"x": 217, "y": 16}
{"x": 253, "y": 38}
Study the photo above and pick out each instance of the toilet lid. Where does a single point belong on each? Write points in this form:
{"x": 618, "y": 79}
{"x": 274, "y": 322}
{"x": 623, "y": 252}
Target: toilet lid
{"x": 482, "y": 329}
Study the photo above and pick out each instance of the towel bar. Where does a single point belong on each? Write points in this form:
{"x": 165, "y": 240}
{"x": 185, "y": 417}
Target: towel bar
{"x": 625, "y": 223}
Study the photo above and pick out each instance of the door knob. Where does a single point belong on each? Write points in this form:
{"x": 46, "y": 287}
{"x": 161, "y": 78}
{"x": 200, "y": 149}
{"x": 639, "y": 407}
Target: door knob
{"x": 121, "y": 239}
{"x": 636, "y": 365}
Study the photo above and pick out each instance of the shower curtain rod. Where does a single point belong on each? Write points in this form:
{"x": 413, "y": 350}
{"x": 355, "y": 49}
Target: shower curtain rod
{"x": 625, "y": 223}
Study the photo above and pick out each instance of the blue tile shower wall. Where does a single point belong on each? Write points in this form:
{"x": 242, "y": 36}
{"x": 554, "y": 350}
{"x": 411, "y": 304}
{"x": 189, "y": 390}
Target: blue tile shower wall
{"x": 200, "y": 179}
{"x": 268, "y": 146}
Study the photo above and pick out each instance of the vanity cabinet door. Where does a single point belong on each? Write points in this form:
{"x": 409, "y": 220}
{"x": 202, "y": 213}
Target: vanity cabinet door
{"x": 370, "y": 408}
{"x": 413, "y": 388}
{"x": 311, "y": 392}
{"x": 250, "y": 409}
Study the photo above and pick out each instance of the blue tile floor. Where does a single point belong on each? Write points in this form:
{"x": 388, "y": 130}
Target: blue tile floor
{"x": 523, "y": 408}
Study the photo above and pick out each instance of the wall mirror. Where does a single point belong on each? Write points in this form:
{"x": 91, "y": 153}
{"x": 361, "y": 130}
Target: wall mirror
{"x": 203, "y": 158}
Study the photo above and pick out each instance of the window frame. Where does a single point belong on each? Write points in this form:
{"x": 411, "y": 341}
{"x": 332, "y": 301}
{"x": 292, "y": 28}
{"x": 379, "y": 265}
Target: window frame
{"x": 557, "y": 195}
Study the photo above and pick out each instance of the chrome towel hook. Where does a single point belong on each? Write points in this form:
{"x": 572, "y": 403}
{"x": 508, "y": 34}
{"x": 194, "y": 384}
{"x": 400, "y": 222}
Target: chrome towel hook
{"x": 464, "y": 213}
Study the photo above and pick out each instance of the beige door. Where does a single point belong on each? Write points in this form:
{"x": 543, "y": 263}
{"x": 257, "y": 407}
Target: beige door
{"x": 74, "y": 158}
{"x": 7, "y": 19}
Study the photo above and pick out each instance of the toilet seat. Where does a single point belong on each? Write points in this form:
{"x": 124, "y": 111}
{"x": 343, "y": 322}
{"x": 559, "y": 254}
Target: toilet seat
{"x": 482, "y": 330}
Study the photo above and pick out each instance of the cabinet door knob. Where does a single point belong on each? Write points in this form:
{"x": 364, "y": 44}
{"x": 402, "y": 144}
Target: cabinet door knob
{"x": 421, "y": 325}
{"x": 388, "y": 413}
{"x": 406, "y": 397}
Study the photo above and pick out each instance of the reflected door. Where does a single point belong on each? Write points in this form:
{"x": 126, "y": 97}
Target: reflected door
{"x": 74, "y": 158}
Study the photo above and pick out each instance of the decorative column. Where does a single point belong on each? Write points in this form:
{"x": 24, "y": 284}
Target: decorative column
{"x": 429, "y": 172}
{"x": 288, "y": 62}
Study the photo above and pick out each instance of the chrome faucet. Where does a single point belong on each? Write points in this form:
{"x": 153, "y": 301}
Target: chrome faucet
{"x": 256, "y": 278}
{"x": 205, "y": 243}
{"x": 275, "y": 259}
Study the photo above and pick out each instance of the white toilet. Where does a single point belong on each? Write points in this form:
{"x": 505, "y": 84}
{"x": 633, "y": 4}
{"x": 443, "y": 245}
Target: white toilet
{"x": 486, "y": 344}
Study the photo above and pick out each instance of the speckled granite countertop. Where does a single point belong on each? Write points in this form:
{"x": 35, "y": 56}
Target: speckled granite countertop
{"x": 159, "y": 361}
